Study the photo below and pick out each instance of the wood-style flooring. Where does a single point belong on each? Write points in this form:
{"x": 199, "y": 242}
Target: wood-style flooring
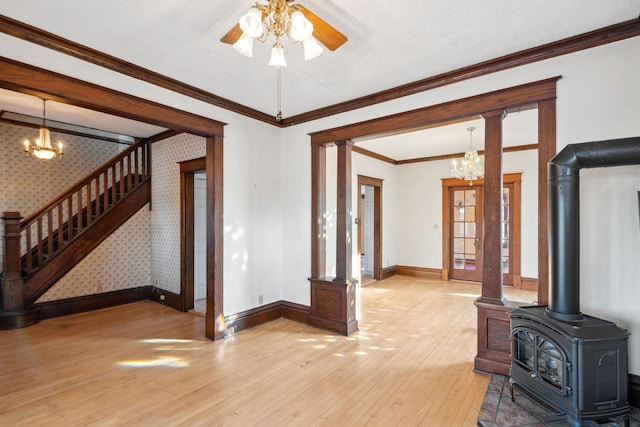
{"x": 144, "y": 364}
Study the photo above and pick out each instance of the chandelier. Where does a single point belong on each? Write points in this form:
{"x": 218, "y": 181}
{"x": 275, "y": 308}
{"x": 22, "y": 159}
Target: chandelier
{"x": 42, "y": 148}
{"x": 470, "y": 167}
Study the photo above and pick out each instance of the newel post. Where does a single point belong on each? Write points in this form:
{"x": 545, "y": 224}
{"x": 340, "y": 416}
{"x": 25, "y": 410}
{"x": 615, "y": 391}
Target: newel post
{"x": 13, "y": 315}
{"x": 12, "y": 284}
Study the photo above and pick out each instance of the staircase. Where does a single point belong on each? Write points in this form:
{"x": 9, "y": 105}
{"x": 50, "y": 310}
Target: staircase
{"x": 58, "y": 236}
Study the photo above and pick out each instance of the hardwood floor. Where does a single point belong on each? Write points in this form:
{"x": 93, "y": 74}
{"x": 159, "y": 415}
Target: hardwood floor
{"x": 145, "y": 364}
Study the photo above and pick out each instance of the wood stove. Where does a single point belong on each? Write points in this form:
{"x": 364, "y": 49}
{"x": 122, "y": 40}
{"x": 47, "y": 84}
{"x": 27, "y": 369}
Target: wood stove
{"x": 574, "y": 363}
{"x": 576, "y": 367}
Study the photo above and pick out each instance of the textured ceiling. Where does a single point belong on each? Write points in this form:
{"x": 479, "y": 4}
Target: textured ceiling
{"x": 390, "y": 43}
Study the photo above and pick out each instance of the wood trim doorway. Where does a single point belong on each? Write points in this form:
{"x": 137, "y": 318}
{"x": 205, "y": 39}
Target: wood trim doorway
{"x": 511, "y": 181}
{"x": 377, "y": 221}
{"x": 187, "y": 220}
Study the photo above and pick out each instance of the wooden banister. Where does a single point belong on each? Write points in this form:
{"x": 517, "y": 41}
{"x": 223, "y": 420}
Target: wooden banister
{"x": 63, "y": 219}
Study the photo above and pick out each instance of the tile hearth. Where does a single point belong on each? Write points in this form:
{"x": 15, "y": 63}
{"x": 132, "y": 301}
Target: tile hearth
{"x": 499, "y": 411}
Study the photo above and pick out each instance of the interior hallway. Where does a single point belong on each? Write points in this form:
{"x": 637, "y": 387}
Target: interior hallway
{"x": 145, "y": 364}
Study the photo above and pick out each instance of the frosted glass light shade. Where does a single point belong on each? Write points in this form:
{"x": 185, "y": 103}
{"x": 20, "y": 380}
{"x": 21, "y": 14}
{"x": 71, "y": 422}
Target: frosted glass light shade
{"x": 244, "y": 45}
{"x": 312, "y": 49}
{"x": 277, "y": 56}
{"x": 251, "y": 23}
{"x": 301, "y": 27}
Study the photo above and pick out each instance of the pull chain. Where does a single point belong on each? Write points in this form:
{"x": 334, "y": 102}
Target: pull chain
{"x": 279, "y": 115}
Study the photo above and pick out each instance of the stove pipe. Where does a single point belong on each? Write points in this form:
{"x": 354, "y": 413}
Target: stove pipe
{"x": 564, "y": 216}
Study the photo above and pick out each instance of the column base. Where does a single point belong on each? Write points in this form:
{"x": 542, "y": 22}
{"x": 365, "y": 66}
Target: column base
{"x": 333, "y": 305}
{"x": 494, "y": 332}
{"x": 17, "y": 319}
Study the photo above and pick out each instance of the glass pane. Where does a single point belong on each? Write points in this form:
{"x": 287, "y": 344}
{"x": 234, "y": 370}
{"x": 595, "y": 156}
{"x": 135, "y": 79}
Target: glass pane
{"x": 523, "y": 348}
{"x": 505, "y": 265}
{"x": 458, "y": 214}
{"x": 550, "y": 363}
{"x": 470, "y": 246}
{"x": 470, "y": 197}
{"x": 458, "y": 229}
{"x": 458, "y": 261}
{"x": 470, "y": 263}
{"x": 458, "y": 246}
{"x": 471, "y": 229}
{"x": 505, "y": 230}
{"x": 505, "y": 213}
{"x": 458, "y": 198}
{"x": 470, "y": 214}
{"x": 505, "y": 196}
{"x": 505, "y": 248}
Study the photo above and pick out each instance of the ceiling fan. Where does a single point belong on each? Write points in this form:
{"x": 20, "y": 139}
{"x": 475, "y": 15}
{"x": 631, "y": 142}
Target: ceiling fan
{"x": 283, "y": 18}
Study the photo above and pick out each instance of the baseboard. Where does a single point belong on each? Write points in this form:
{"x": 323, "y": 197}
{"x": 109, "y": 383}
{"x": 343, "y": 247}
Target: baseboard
{"x": 389, "y": 272}
{"x": 421, "y": 272}
{"x": 634, "y": 390}
{"x": 81, "y": 304}
{"x": 266, "y": 313}
{"x": 529, "y": 284}
{"x": 296, "y": 312}
{"x": 167, "y": 298}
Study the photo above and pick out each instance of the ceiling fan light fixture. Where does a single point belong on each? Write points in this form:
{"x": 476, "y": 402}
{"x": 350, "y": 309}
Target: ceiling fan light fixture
{"x": 312, "y": 49}
{"x": 251, "y": 23}
{"x": 301, "y": 27}
{"x": 244, "y": 45}
{"x": 277, "y": 56}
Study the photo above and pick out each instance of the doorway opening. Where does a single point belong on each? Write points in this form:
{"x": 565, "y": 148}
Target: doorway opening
{"x": 193, "y": 229}
{"x": 369, "y": 221}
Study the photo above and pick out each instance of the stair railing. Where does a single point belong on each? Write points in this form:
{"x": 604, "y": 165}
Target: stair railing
{"x": 51, "y": 228}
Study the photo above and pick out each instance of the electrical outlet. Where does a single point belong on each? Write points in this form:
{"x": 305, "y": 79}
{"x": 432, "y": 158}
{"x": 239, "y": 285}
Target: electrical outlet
{"x": 161, "y": 297}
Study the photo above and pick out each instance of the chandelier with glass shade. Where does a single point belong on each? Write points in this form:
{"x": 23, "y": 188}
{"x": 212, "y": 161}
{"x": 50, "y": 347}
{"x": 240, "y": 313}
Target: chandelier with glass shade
{"x": 42, "y": 148}
{"x": 282, "y": 19}
{"x": 470, "y": 167}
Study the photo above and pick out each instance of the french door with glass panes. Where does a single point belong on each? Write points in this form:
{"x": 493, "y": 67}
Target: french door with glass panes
{"x": 466, "y": 232}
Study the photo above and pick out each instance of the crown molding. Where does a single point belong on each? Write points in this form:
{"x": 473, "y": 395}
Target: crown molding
{"x": 587, "y": 40}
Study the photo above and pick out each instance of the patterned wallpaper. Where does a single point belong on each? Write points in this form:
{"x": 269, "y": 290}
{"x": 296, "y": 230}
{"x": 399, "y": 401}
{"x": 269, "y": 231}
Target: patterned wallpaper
{"x": 165, "y": 216}
{"x": 27, "y": 183}
{"x": 123, "y": 260}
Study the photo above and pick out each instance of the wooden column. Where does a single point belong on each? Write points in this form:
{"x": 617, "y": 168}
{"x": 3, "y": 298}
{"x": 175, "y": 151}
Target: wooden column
{"x": 318, "y": 210}
{"x": 493, "y": 317}
{"x": 344, "y": 258}
{"x": 546, "y": 151}
{"x": 492, "y": 221}
{"x": 13, "y": 314}
{"x": 333, "y": 301}
{"x": 215, "y": 328}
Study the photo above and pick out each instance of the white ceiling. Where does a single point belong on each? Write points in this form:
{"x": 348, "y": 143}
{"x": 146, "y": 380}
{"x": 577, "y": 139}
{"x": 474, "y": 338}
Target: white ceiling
{"x": 390, "y": 44}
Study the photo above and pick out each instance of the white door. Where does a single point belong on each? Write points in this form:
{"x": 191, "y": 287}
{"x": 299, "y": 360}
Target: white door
{"x": 199, "y": 237}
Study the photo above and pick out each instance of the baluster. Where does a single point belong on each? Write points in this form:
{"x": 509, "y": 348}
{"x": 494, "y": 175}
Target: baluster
{"x": 60, "y": 227}
{"x": 29, "y": 266}
{"x": 70, "y": 217}
{"x": 79, "y": 210}
{"x": 113, "y": 184}
{"x": 89, "y": 204}
{"x": 121, "y": 166}
{"x": 50, "y": 233}
{"x": 129, "y": 176}
{"x": 39, "y": 241}
{"x": 136, "y": 160}
{"x": 105, "y": 190}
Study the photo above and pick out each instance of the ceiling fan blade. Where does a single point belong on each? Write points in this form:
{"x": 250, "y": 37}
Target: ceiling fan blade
{"x": 322, "y": 31}
{"x": 233, "y": 35}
